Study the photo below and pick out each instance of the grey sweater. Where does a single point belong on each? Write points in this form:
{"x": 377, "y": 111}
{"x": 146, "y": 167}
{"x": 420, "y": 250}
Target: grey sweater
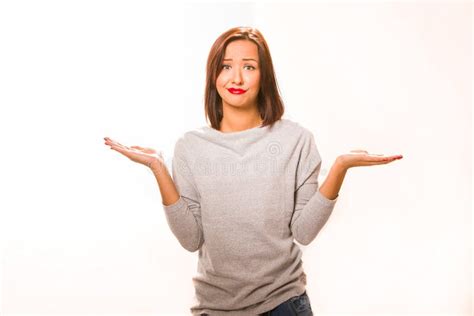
{"x": 244, "y": 198}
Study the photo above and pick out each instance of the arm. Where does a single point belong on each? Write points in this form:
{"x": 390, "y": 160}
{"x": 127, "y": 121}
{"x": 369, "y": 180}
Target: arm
{"x": 312, "y": 206}
{"x": 331, "y": 186}
{"x": 180, "y": 200}
{"x": 168, "y": 191}
{"x": 312, "y": 209}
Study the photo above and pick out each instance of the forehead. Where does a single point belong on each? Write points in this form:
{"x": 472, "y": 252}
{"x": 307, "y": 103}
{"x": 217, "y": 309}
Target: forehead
{"x": 241, "y": 49}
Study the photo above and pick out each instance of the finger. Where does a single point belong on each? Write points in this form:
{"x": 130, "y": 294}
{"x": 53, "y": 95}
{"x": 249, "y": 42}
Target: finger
{"x": 119, "y": 149}
{"x": 393, "y": 157}
{"x": 137, "y": 147}
{"x": 374, "y": 163}
{"x": 385, "y": 161}
{"x": 116, "y": 148}
{"x": 390, "y": 156}
{"x": 115, "y": 142}
{"x": 377, "y": 159}
{"x": 109, "y": 141}
{"x": 359, "y": 151}
{"x": 121, "y": 146}
{"x": 370, "y": 161}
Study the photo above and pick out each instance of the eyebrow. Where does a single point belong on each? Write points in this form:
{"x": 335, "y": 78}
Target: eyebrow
{"x": 242, "y": 59}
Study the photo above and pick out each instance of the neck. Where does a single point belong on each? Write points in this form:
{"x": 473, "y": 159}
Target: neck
{"x": 235, "y": 120}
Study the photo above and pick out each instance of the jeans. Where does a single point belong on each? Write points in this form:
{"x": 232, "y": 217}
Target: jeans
{"x": 295, "y": 306}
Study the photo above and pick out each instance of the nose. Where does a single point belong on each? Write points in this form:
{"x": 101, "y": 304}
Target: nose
{"x": 237, "y": 79}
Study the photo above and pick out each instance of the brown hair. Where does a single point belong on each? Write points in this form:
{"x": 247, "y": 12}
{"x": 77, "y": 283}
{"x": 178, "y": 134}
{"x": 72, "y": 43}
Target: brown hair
{"x": 270, "y": 104}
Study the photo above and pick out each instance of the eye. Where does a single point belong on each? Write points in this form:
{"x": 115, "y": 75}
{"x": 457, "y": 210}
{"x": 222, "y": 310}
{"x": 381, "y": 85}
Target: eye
{"x": 251, "y": 67}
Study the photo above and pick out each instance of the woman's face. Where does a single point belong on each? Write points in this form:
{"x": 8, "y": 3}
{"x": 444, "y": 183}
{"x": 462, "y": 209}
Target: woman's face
{"x": 240, "y": 70}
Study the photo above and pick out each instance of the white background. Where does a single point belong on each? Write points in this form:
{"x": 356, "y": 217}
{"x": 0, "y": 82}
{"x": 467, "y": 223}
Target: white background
{"x": 83, "y": 231}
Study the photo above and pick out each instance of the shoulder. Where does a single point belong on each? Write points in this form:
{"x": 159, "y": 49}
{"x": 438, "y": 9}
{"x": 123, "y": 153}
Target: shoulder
{"x": 188, "y": 141}
{"x": 297, "y": 130}
{"x": 181, "y": 144}
{"x": 190, "y": 137}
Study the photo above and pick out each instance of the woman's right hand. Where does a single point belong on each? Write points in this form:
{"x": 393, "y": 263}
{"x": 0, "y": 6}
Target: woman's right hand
{"x": 143, "y": 155}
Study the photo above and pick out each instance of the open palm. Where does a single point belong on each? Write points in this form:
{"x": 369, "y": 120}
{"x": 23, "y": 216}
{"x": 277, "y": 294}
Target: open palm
{"x": 142, "y": 155}
{"x": 357, "y": 158}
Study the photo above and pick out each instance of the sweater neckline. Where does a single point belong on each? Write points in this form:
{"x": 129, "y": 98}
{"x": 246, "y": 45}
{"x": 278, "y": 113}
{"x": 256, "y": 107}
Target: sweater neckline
{"x": 249, "y": 131}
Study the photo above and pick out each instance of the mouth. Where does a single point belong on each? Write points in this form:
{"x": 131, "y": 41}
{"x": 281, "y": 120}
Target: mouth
{"x": 236, "y": 91}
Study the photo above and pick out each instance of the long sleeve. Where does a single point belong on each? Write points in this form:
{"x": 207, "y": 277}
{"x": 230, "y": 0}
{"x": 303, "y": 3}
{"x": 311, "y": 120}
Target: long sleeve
{"x": 184, "y": 216}
{"x": 312, "y": 209}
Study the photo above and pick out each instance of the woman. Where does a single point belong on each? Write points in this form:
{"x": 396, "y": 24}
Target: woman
{"x": 246, "y": 187}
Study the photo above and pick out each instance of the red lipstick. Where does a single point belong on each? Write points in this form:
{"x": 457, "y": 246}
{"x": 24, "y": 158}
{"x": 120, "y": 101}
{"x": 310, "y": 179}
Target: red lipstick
{"x": 236, "y": 91}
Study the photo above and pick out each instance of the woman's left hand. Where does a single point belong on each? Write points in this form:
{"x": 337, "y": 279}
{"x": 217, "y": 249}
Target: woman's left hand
{"x": 359, "y": 158}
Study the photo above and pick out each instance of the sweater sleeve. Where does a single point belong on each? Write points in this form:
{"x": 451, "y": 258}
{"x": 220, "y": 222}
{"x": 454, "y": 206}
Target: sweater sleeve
{"x": 184, "y": 216}
{"x": 312, "y": 209}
